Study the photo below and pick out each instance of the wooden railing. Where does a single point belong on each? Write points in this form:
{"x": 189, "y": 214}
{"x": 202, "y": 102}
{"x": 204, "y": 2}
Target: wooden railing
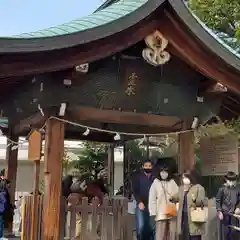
{"x": 27, "y": 217}
{"x": 93, "y": 222}
{"x": 86, "y": 221}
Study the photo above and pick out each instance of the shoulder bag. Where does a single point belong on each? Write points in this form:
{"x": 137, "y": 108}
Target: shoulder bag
{"x": 199, "y": 214}
{"x": 170, "y": 209}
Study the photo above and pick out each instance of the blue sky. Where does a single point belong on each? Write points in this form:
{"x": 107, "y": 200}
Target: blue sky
{"x": 18, "y": 16}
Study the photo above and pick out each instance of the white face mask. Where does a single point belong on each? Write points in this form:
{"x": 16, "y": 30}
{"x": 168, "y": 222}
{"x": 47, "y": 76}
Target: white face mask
{"x": 74, "y": 179}
{"x": 186, "y": 181}
{"x": 231, "y": 183}
{"x": 164, "y": 175}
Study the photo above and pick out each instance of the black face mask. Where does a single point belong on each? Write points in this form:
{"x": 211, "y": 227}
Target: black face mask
{"x": 147, "y": 170}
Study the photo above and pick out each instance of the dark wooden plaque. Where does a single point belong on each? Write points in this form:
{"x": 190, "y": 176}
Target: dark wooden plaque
{"x": 219, "y": 155}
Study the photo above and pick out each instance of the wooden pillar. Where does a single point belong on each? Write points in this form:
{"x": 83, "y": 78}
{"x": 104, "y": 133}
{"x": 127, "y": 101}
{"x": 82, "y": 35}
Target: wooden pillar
{"x": 125, "y": 168}
{"x": 186, "y": 153}
{"x": 34, "y": 155}
{"x": 111, "y": 169}
{"x": 53, "y": 154}
{"x": 11, "y": 172}
{"x": 35, "y": 206}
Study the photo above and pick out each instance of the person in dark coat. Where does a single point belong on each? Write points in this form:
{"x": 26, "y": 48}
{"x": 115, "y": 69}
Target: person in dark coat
{"x": 3, "y": 205}
{"x": 9, "y": 213}
{"x": 66, "y": 185}
{"x": 228, "y": 205}
{"x": 141, "y": 186}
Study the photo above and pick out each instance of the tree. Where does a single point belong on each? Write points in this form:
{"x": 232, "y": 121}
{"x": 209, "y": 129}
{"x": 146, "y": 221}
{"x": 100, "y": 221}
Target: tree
{"x": 220, "y": 15}
{"x": 67, "y": 163}
{"x": 135, "y": 155}
{"x": 91, "y": 159}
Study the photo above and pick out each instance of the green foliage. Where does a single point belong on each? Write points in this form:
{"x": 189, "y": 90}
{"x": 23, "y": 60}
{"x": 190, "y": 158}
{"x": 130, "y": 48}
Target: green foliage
{"x": 220, "y": 15}
{"x": 91, "y": 159}
{"x": 217, "y": 129}
{"x": 234, "y": 125}
{"x": 135, "y": 155}
{"x": 67, "y": 163}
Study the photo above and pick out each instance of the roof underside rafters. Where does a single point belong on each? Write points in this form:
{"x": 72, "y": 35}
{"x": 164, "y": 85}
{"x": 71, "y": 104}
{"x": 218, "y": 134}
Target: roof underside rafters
{"x": 109, "y": 23}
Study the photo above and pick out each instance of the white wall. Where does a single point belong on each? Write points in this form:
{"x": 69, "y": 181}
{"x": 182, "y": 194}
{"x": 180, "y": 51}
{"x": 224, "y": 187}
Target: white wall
{"x": 118, "y": 175}
{"x": 25, "y": 176}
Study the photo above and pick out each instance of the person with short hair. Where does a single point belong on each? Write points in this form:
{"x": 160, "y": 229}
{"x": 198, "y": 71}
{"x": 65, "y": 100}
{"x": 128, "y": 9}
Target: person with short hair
{"x": 141, "y": 186}
{"x": 228, "y": 204}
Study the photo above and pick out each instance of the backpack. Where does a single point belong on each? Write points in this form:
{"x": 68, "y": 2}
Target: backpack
{"x": 3, "y": 202}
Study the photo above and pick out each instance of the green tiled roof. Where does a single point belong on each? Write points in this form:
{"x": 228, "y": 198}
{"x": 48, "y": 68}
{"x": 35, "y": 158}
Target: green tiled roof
{"x": 105, "y": 16}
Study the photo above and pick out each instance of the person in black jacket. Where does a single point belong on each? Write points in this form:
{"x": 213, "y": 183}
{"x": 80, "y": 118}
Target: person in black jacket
{"x": 228, "y": 205}
{"x": 141, "y": 187}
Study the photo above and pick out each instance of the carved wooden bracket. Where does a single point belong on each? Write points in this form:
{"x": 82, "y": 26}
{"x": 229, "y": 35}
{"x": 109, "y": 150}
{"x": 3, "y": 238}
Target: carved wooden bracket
{"x": 155, "y": 53}
{"x": 82, "y": 68}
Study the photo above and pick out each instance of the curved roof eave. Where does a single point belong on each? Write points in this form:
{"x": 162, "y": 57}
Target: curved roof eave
{"x": 211, "y": 42}
{"x": 39, "y": 42}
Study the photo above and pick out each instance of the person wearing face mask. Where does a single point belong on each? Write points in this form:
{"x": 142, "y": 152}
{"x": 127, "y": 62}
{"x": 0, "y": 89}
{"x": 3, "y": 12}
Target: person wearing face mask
{"x": 161, "y": 209}
{"x": 141, "y": 185}
{"x": 228, "y": 204}
{"x": 190, "y": 197}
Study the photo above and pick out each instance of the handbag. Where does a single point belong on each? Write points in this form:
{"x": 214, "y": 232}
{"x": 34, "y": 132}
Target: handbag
{"x": 199, "y": 214}
{"x": 170, "y": 209}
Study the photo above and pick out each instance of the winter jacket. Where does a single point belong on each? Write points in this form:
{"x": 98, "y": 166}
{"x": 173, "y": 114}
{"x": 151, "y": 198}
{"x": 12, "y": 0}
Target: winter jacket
{"x": 198, "y": 192}
{"x": 228, "y": 198}
{"x": 141, "y": 186}
{"x": 159, "y": 195}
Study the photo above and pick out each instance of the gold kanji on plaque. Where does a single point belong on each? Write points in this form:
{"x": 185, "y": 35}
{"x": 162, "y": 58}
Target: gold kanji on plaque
{"x": 131, "y": 87}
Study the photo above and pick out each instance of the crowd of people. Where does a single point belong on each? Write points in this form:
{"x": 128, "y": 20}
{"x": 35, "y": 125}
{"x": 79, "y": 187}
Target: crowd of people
{"x": 166, "y": 210}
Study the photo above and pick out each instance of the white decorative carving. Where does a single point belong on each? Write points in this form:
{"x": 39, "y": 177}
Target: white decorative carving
{"x": 83, "y": 68}
{"x": 219, "y": 88}
{"x": 155, "y": 53}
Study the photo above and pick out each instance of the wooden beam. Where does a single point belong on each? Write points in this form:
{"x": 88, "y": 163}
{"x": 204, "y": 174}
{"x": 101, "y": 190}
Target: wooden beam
{"x": 186, "y": 156}
{"x": 11, "y": 172}
{"x": 34, "y": 121}
{"x": 54, "y": 147}
{"x": 119, "y": 117}
{"x": 25, "y": 125}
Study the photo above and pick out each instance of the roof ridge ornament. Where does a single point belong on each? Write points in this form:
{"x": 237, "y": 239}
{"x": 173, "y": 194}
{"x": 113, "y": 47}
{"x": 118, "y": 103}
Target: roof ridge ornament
{"x": 82, "y": 68}
{"x": 155, "y": 53}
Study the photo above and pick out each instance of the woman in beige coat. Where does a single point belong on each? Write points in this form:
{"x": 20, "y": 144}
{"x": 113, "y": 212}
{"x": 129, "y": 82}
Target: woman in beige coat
{"x": 162, "y": 189}
{"x": 191, "y": 195}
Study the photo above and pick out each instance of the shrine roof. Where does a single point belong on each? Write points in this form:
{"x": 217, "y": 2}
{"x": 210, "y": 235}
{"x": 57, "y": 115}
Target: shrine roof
{"x": 104, "y": 16}
{"x": 206, "y": 35}
{"x": 112, "y": 17}
{"x": 108, "y": 20}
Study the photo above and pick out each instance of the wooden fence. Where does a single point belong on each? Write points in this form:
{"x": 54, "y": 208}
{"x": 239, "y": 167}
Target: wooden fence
{"x": 93, "y": 222}
{"x": 27, "y": 217}
{"x": 86, "y": 221}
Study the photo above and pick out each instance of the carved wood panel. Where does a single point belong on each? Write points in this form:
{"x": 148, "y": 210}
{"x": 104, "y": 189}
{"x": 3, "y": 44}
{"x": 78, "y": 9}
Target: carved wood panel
{"x": 120, "y": 84}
